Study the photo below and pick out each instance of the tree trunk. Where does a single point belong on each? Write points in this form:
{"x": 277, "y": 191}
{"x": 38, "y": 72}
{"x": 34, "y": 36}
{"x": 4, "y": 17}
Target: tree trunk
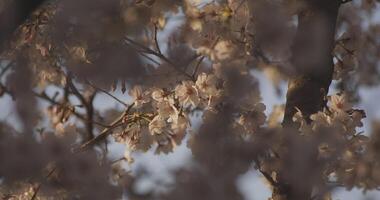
{"x": 313, "y": 61}
{"x": 312, "y": 58}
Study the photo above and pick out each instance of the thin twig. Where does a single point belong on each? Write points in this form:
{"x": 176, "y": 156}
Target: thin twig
{"x": 5, "y": 69}
{"x": 239, "y": 6}
{"x": 150, "y": 59}
{"x": 107, "y": 93}
{"x": 44, "y": 96}
{"x": 88, "y": 104}
{"x": 117, "y": 160}
{"x": 105, "y": 132}
{"x": 37, "y": 189}
{"x": 197, "y": 66}
{"x": 147, "y": 50}
{"x": 266, "y": 175}
{"x": 156, "y": 40}
{"x": 345, "y": 1}
{"x": 202, "y": 58}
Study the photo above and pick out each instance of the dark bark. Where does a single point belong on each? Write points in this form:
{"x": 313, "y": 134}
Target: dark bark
{"x": 13, "y": 16}
{"x": 307, "y": 89}
{"x": 312, "y": 59}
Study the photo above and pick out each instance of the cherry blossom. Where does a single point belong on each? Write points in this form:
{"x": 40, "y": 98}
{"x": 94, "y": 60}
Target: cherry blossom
{"x": 166, "y": 109}
{"x": 139, "y": 97}
{"x": 206, "y": 84}
{"x": 157, "y": 125}
{"x": 180, "y": 125}
{"x": 339, "y": 103}
{"x": 187, "y": 94}
{"x": 158, "y": 94}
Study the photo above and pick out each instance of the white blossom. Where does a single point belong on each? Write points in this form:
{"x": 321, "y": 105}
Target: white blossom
{"x": 339, "y": 103}
{"x": 206, "y": 84}
{"x": 320, "y": 119}
{"x": 139, "y": 97}
{"x": 187, "y": 94}
{"x": 166, "y": 109}
{"x": 180, "y": 125}
{"x": 157, "y": 125}
{"x": 158, "y": 95}
{"x": 299, "y": 118}
{"x": 133, "y": 136}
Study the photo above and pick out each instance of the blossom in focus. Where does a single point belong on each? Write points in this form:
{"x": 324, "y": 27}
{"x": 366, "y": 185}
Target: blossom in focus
{"x": 166, "y": 109}
{"x": 187, "y": 94}
{"x": 180, "y": 125}
{"x": 299, "y": 118}
{"x": 158, "y": 95}
{"x": 206, "y": 84}
{"x": 139, "y": 97}
{"x": 340, "y": 103}
{"x": 320, "y": 119}
{"x": 157, "y": 125}
{"x": 132, "y": 137}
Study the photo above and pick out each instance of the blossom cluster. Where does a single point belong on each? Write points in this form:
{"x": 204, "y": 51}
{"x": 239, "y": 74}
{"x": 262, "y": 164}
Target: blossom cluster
{"x": 339, "y": 114}
{"x": 161, "y": 115}
{"x": 346, "y": 144}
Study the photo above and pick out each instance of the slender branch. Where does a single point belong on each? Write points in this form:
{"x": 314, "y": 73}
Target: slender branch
{"x": 5, "y": 90}
{"x": 117, "y": 160}
{"x": 90, "y": 115}
{"x": 197, "y": 66}
{"x": 74, "y": 90}
{"x": 156, "y": 40}
{"x": 5, "y": 69}
{"x": 107, "y": 93}
{"x": 44, "y": 96}
{"x": 149, "y": 58}
{"x": 265, "y": 174}
{"x": 159, "y": 55}
{"x": 88, "y": 104}
{"x": 105, "y": 132}
{"x": 37, "y": 189}
{"x": 345, "y": 1}
{"x": 202, "y": 58}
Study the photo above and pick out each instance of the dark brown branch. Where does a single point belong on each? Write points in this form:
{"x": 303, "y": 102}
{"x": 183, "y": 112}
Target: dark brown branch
{"x": 156, "y": 40}
{"x": 107, "y": 93}
{"x": 6, "y": 68}
{"x": 105, "y": 132}
{"x": 87, "y": 103}
{"x": 44, "y": 96}
{"x": 90, "y": 115}
{"x": 38, "y": 187}
{"x": 147, "y": 50}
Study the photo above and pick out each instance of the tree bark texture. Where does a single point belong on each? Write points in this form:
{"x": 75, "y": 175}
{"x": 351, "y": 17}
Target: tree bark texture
{"x": 313, "y": 62}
